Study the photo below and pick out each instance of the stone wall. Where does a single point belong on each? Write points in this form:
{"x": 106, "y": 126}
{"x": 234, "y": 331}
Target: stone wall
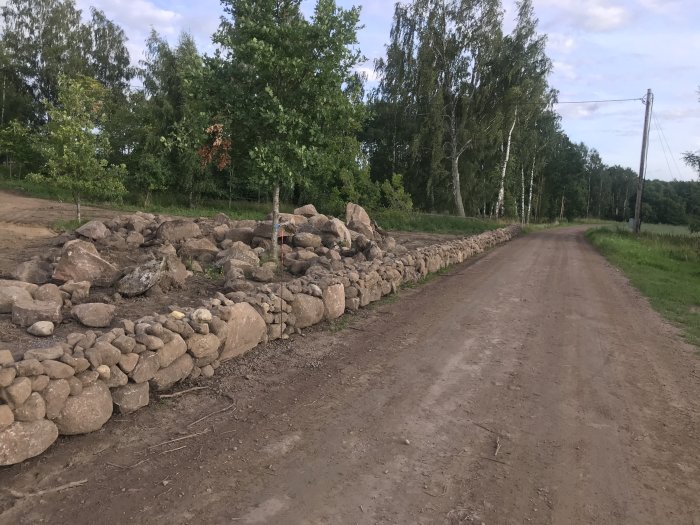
{"x": 74, "y": 387}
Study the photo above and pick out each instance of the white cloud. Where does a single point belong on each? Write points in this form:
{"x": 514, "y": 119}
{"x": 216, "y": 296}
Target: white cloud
{"x": 138, "y": 15}
{"x": 565, "y": 69}
{"x": 560, "y": 43}
{"x": 369, "y": 73}
{"x": 592, "y": 15}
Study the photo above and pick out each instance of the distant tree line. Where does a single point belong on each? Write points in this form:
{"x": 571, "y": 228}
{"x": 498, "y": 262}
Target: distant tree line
{"x": 462, "y": 120}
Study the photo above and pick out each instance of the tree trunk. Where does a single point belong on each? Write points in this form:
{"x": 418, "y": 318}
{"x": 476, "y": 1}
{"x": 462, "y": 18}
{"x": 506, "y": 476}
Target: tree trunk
{"x": 500, "y": 205}
{"x": 561, "y": 213}
{"x": 456, "y": 185}
{"x": 529, "y": 202}
{"x": 522, "y": 195}
{"x": 459, "y": 206}
{"x": 588, "y": 200}
{"x": 275, "y": 223}
{"x": 77, "y": 208}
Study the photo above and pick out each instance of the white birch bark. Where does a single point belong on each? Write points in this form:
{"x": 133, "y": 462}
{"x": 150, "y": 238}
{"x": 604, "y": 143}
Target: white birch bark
{"x": 532, "y": 181}
{"x": 500, "y": 205}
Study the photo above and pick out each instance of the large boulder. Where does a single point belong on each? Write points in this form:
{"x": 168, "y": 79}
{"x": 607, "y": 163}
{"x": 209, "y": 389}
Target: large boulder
{"x": 358, "y": 220}
{"x": 49, "y": 292}
{"x": 307, "y": 240}
{"x": 30, "y": 287}
{"x": 93, "y": 230}
{"x": 171, "y": 350}
{"x": 78, "y": 291}
{"x": 334, "y": 301}
{"x": 338, "y": 232}
{"x": 175, "y": 273}
{"x": 264, "y": 229}
{"x": 204, "y": 348}
{"x": 261, "y": 274}
{"x": 11, "y": 294}
{"x": 41, "y": 329}
{"x": 94, "y": 315}
{"x": 238, "y": 251}
{"x": 55, "y": 395}
{"x": 33, "y": 271}
{"x": 308, "y": 210}
{"x": 25, "y": 439}
{"x": 284, "y": 218}
{"x": 80, "y": 261}
{"x": 177, "y": 371}
{"x": 87, "y": 411}
{"x": 244, "y": 330}
{"x": 146, "y": 368}
{"x": 354, "y": 213}
{"x": 307, "y": 310}
{"x": 130, "y": 397}
{"x": 141, "y": 279}
{"x": 199, "y": 249}
{"x": 178, "y": 230}
{"x": 244, "y": 235}
{"x": 27, "y": 312}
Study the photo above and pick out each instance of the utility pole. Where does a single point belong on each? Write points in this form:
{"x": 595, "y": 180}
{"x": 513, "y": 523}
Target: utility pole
{"x": 643, "y": 162}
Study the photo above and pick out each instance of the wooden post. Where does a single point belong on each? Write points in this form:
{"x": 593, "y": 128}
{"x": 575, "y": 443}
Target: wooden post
{"x": 643, "y": 162}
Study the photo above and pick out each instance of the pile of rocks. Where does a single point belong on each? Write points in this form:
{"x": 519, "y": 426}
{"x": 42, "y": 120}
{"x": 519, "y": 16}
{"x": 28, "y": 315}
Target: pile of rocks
{"x": 48, "y": 288}
{"x": 73, "y": 387}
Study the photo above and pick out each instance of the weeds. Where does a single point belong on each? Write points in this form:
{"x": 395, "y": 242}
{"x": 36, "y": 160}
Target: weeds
{"x": 67, "y": 225}
{"x": 664, "y": 266}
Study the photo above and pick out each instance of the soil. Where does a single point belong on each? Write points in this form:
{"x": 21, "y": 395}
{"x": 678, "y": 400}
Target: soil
{"x": 531, "y": 385}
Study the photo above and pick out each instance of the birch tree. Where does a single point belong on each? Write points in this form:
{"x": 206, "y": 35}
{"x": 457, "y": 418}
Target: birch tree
{"x": 526, "y": 90}
{"x": 439, "y": 64}
{"x": 293, "y": 98}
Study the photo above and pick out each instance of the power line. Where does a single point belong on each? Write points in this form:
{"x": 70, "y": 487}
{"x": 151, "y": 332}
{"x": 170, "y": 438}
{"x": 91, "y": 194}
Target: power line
{"x": 661, "y": 141}
{"x": 640, "y": 99}
{"x": 668, "y": 145}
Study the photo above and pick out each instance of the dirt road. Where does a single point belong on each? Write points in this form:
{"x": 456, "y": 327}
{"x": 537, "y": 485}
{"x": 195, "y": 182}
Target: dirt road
{"x": 530, "y": 386}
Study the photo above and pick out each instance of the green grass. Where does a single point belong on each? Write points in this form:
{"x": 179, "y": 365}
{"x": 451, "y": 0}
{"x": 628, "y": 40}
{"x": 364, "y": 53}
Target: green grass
{"x": 664, "y": 266}
{"x": 666, "y": 229}
{"x": 425, "y": 222}
{"x": 67, "y": 225}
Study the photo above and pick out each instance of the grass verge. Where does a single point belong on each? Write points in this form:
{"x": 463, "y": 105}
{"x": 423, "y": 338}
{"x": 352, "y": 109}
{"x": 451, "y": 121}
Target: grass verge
{"x": 664, "y": 267}
{"x": 425, "y": 222}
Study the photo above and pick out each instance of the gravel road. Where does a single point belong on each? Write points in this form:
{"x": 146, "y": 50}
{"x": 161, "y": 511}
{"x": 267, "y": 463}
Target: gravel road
{"x": 532, "y": 385}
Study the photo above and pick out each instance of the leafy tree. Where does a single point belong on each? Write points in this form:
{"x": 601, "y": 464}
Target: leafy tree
{"x": 74, "y": 146}
{"x": 294, "y": 101}
{"x": 17, "y": 144}
{"x": 435, "y": 89}
{"x": 173, "y": 114}
{"x": 44, "y": 39}
{"x": 525, "y": 91}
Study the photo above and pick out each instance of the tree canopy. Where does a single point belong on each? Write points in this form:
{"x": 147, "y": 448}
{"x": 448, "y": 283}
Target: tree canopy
{"x": 462, "y": 119}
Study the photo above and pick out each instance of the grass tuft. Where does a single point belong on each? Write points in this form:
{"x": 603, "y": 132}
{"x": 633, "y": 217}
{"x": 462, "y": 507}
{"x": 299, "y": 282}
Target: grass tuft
{"x": 425, "y": 222}
{"x": 664, "y": 266}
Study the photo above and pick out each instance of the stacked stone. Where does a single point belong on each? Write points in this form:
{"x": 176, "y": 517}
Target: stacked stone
{"x": 73, "y": 387}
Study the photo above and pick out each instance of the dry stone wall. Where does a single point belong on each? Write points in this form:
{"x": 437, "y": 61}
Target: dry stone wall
{"x": 75, "y": 386}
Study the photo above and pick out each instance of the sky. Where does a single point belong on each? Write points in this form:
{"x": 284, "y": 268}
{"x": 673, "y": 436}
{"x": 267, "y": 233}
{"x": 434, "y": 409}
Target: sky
{"x": 601, "y": 49}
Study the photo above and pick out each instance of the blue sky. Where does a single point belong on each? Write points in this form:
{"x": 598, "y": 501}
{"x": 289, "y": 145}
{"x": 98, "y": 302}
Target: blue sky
{"x": 601, "y": 49}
